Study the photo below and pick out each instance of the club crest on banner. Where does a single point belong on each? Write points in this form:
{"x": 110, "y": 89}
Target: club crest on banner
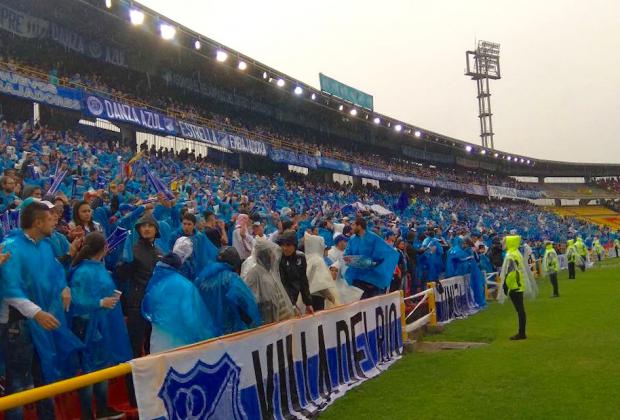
{"x": 205, "y": 391}
{"x": 94, "y": 105}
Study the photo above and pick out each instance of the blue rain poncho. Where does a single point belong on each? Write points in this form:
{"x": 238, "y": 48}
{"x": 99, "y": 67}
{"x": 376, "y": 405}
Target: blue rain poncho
{"x": 457, "y": 262}
{"x": 60, "y": 244}
{"x": 203, "y": 254}
{"x": 33, "y": 273}
{"x": 173, "y": 305}
{"x": 382, "y": 257}
{"x": 433, "y": 262}
{"x": 106, "y": 339}
{"x": 228, "y": 298}
{"x": 477, "y": 282}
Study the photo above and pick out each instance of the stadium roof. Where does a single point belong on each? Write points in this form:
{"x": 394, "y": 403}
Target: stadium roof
{"x": 464, "y": 154}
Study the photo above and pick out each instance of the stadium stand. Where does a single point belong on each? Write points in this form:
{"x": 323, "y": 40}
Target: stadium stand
{"x": 221, "y": 160}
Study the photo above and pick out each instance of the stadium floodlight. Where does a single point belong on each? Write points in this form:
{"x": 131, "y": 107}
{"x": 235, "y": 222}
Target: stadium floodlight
{"x": 280, "y": 83}
{"x": 482, "y": 66}
{"x": 221, "y": 56}
{"x": 528, "y": 162}
{"x": 483, "y": 152}
{"x": 468, "y": 148}
{"x": 509, "y": 158}
{"x": 398, "y": 127}
{"x": 417, "y": 133}
{"x": 108, "y": 4}
{"x": 313, "y": 97}
{"x": 197, "y": 44}
{"x": 167, "y": 31}
{"x": 136, "y": 17}
{"x": 341, "y": 107}
{"x": 377, "y": 120}
{"x": 496, "y": 155}
{"x": 353, "y": 112}
{"x": 265, "y": 75}
{"x": 242, "y": 65}
{"x": 522, "y": 160}
{"x": 298, "y": 90}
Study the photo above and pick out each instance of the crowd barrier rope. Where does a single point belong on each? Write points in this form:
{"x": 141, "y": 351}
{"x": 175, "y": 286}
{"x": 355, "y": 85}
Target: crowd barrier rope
{"x": 426, "y": 296}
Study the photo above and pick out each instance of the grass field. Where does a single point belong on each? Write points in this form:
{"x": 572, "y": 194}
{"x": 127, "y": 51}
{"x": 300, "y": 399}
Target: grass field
{"x": 569, "y": 367}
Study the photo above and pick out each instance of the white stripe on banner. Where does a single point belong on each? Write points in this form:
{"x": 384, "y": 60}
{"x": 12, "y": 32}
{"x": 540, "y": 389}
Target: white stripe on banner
{"x": 292, "y": 369}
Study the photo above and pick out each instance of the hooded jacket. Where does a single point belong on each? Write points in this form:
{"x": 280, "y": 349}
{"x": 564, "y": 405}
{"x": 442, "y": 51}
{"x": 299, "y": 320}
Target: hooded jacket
{"x": 513, "y": 269}
{"x": 229, "y": 300}
{"x": 551, "y": 263}
{"x": 319, "y": 278}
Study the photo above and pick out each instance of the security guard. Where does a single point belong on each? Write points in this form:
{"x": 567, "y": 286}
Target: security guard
{"x": 551, "y": 265}
{"x": 514, "y": 277}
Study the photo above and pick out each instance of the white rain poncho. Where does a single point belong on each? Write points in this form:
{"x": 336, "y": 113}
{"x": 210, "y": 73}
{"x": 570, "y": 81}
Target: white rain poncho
{"x": 346, "y": 292}
{"x": 263, "y": 278}
{"x": 513, "y": 254}
{"x": 320, "y": 279}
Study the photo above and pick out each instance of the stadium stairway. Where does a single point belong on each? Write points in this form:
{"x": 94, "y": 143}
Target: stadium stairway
{"x": 599, "y": 215}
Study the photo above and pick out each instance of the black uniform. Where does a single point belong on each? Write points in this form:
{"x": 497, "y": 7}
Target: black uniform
{"x": 294, "y": 279}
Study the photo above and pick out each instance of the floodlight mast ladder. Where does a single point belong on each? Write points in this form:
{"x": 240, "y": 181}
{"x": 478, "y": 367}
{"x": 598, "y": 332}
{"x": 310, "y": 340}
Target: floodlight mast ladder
{"x": 482, "y": 66}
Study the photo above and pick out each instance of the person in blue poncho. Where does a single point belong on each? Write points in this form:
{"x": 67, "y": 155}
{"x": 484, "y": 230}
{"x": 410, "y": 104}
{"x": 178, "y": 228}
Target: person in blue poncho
{"x": 476, "y": 277}
{"x": 433, "y": 257}
{"x": 229, "y": 300}
{"x": 98, "y": 321}
{"x": 204, "y": 251}
{"x": 371, "y": 262}
{"x": 458, "y": 258}
{"x": 38, "y": 345}
{"x": 173, "y": 305}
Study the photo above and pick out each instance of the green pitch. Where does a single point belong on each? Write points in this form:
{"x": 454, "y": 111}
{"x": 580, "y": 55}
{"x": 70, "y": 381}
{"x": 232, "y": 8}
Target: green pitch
{"x": 568, "y": 368}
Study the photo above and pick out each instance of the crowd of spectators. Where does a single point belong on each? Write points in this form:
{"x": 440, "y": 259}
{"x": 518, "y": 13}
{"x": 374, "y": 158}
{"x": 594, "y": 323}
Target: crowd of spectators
{"x": 143, "y": 91}
{"x": 183, "y": 212}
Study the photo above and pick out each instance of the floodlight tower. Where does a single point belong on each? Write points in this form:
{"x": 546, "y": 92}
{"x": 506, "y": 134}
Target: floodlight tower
{"x": 483, "y": 65}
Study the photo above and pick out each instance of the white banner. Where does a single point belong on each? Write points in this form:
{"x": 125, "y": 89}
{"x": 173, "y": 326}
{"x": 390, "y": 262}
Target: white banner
{"x": 456, "y": 299}
{"x": 292, "y": 369}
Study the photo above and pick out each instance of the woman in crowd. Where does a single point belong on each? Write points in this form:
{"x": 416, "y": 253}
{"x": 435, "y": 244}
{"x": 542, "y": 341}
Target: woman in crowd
{"x": 97, "y": 321}
{"x": 82, "y": 220}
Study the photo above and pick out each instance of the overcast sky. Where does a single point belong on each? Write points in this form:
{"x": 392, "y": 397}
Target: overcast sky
{"x": 559, "y": 97}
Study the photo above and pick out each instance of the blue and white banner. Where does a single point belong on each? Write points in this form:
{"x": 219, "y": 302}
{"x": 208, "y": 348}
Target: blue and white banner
{"x": 38, "y": 91}
{"x": 372, "y": 173}
{"x": 497, "y": 191}
{"x": 292, "y": 158}
{"x": 334, "y": 164}
{"x": 292, "y": 369}
{"x": 220, "y": 138}
{"x": 108, "y": 109}
{"x": 26, "y": 26}
{"x": 22, "y": 24}
{"x": 413, "y": 180}
{"x": 197, "y": 132}
{"x": 242, "y": 144}
{"x": 476, "y": 189}
{"x": 529, "y": 194}
{"x": 85, "y": 46}
{"x": 456, "y": 300}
